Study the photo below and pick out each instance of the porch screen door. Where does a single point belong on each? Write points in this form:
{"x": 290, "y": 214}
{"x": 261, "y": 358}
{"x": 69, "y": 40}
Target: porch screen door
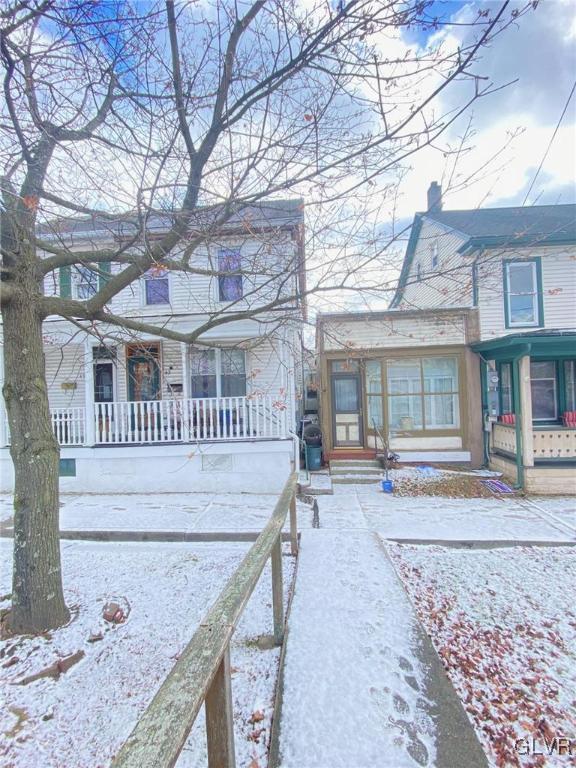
{"x": 347, "y": 409}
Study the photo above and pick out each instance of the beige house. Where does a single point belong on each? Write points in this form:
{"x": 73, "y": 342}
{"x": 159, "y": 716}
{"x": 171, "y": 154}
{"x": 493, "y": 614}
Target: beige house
{"x": 408, "y": 378}
{"x": 515, "y": 269}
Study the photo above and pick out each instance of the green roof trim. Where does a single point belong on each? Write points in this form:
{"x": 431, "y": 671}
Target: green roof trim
{"x": 542, "y": 345}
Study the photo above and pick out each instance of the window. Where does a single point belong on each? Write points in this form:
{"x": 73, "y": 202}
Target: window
{"x": 522, "y": 293}
{"x": 229, "y": 285}
{"x": 67, "y": 468}
{"x": 570, "y": 384}
{"x": 103, "y": 358}
{"x": 86, "y": 282}
{"x": 434, "y": 255}
{"x": 418, "y": 272}
{"x": 506, "y": 396}
{"x": 374, "y": 393}
{"x": 156, "y": 286}
{"x": 82, "y": 282}
{"x": 543, "y": 383}
{"x": 423, "y": 394}
{"x": 218, "y": 373}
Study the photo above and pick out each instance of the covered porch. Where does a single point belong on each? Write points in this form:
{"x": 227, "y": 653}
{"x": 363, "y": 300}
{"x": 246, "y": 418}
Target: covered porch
{"x": 529, "y": 405}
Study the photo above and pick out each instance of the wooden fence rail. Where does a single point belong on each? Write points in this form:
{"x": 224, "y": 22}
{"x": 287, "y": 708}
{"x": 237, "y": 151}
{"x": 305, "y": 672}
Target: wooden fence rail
{"x": 202, "y": 673}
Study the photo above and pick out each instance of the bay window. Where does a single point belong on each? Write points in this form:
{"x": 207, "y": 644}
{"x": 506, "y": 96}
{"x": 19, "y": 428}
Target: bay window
{"x": 218, "y": 373}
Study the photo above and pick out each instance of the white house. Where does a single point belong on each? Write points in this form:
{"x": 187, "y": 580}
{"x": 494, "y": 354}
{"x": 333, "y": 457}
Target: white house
{"x": 515, "y": 268}
{"x": 134, "y": 412}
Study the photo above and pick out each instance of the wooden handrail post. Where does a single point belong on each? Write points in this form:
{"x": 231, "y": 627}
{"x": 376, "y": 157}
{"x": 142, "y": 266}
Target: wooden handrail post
{"x": 219, "y": 717}
{"x": 277, "y": 591}
{"x": 293, "y": 527}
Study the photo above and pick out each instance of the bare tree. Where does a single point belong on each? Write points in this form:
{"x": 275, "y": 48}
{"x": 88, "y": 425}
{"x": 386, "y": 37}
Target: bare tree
{"x": 188, "y": 114}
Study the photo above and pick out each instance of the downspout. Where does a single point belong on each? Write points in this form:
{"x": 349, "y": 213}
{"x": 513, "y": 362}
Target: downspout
{"x": 485, "y": 410}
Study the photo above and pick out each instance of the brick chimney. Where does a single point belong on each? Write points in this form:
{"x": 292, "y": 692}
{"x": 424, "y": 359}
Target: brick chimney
{"x": 434, "y": 197}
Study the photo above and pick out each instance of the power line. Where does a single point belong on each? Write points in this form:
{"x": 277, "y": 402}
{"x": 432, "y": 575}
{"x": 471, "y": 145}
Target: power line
{"x": 550, "y": 142}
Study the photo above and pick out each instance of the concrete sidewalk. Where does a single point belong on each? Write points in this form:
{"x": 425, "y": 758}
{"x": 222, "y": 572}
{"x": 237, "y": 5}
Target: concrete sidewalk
{"x": 362, "y": 686}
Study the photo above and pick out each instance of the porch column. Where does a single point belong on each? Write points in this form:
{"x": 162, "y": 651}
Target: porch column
{"x": 526, "y": 411}
{"x": 89, "y": 425}
{"x": 185, "y": 393}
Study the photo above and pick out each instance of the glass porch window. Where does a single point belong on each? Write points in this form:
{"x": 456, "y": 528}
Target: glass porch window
{"x": 374, "y": 393}
{"x": 543, "y": 385}
{"x": 570, "y": 384}
{"x": 405, "y": 394}
{"x": 440, "y": 392}
{"x": 522, "y": 293}
{"x": 506, "y": 404}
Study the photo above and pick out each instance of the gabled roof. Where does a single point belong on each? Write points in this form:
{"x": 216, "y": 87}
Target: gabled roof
{"x": 496, "y": 227}
{"x": 267, "y": 214}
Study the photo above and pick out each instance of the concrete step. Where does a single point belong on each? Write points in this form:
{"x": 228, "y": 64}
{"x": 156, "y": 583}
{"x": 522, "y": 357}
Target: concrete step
{"x": 335, "y": 471}
{"x": 355, "y": 479}
{"x": 337, "y": 463}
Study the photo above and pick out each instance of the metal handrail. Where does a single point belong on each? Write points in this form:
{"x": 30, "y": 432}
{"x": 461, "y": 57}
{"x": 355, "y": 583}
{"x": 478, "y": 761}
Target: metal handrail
{"x": 202, "y": 673}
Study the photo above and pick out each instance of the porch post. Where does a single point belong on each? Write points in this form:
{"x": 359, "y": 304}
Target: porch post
{"x": 526, "y": 411}
{"x": 185, "y": 393}
{"x": 89, "y": 425}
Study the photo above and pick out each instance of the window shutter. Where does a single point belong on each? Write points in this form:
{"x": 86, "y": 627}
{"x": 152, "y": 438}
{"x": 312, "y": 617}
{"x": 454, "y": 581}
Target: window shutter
{"x": 104, "y": 272}
{"x": 66, "y": 282}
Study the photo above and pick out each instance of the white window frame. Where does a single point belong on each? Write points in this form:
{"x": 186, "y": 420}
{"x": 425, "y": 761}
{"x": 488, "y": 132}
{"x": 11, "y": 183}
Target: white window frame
{"x": 218, "y": 364}
{"x": 534, "y": 293}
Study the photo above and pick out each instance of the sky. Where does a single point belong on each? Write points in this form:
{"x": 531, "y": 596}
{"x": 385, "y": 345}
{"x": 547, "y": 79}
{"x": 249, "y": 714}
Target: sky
{"x": 539, "y": 53}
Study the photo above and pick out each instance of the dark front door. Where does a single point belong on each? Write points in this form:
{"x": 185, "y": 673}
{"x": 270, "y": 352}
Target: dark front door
{"x": 347, "y": 409}
{"x": 143, "y": 377}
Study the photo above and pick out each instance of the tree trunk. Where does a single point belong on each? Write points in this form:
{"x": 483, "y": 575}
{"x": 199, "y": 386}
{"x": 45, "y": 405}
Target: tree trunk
{"x": 37, "y": 594}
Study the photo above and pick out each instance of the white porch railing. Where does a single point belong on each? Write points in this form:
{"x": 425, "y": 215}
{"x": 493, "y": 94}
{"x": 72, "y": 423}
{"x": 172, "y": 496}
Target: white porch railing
{"x": 173, "y": 421}
{"x": 170, "y": 421}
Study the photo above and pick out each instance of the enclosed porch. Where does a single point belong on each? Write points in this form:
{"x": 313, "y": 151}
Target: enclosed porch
{"x": 529, "y": 403}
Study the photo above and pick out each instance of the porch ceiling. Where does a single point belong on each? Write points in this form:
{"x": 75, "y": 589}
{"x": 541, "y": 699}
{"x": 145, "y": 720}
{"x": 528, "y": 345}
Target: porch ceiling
{"x": 537, "y": 344}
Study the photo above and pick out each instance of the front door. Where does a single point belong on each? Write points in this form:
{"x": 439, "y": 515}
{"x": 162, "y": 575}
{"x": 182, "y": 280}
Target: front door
{"x": 144, "y": 376}
{"x": 347, "y": 409}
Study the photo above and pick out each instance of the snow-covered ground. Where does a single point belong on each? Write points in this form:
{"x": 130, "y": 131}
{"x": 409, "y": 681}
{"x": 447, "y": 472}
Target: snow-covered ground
{"x": 504, "y": 623}
{"x": 434, "y": 517}
{"x": 82, "y": 718}
{"x": 166, "y": 512}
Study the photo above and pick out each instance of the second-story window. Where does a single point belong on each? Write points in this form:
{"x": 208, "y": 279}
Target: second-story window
{"x": 522, "y": 293}
{"x": 156, "y": 286}
{"x": 86, "y": 282}
{"x": 230, "y": 277}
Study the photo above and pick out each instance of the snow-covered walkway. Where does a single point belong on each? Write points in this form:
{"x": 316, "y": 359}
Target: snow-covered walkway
{"x": 362, "y": 687}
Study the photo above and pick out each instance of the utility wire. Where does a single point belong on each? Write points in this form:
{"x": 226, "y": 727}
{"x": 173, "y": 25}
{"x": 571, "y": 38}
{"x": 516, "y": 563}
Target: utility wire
{"x": 550, "y": 142}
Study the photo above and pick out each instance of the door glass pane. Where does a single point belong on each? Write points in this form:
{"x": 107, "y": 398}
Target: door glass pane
{"x": 144, "y": 379}
{"x": 103, "y": 383}
{"x": 345, "y": 366}
{"x": 346, "y": 395}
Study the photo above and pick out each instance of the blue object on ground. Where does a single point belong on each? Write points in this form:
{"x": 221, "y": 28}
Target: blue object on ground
{"x": 387, "y": 486}
{"x": 313, "y": 457}
{"x": 425, "y": 469}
